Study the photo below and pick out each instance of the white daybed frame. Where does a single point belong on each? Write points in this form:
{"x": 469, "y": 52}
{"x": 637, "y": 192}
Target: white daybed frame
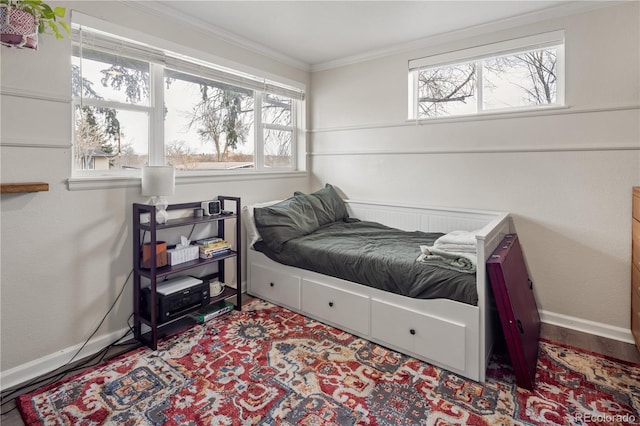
{"x": 442, "y": 332}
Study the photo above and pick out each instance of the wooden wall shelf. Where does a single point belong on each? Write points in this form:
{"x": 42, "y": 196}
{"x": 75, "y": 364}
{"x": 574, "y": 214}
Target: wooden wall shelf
{"x": 17, "y": 188}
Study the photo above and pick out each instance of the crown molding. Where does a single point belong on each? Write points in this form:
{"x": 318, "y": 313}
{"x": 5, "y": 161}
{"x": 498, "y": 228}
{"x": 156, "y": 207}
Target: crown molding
{"x": 164, "y": 11}
{"x": 565, "y": 9}
{"x": 562, "y": 10}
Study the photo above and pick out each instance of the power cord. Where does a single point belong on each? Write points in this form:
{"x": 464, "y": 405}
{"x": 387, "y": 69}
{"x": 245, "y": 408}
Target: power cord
{"x": 7, "y": 395}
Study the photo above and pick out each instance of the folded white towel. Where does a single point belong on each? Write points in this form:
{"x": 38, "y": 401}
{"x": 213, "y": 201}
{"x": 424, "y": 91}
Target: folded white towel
{"x": 457, "y": 248}
{"x": 457, "y": 237}
{"x": 462, "y": 262}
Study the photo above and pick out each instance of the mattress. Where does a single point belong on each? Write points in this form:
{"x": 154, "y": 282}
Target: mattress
{"x": 378, "y": 256}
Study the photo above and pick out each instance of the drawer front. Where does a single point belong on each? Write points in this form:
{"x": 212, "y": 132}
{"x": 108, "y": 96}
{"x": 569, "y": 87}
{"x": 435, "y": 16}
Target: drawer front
{"x": 434, "y": 338}
{"x": 636, "y": 203}
{"x": 275, "y": 286}
{"x": 635, "y": 243}
{"x": 347, "y": 310}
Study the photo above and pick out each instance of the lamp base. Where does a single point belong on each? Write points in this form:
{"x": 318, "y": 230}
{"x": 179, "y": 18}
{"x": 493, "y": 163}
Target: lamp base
{"x": 161, "y": 204}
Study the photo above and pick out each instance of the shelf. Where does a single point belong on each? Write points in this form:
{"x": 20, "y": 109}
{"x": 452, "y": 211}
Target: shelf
{"x": 182, "y": 221}
{"x": 154, "y": 275}
{"x": 172, "y": 269}
{"x": 167, "y": 329}
{"x": 227, "y": 293}
{"x": 21, "y": 188}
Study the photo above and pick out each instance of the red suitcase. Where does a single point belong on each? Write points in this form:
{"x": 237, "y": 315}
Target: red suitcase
{"x": 513, "y": 292}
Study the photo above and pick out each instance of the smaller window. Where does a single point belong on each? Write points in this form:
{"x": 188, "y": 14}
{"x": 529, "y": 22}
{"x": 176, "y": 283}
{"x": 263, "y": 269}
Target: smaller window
{"x": 448, "y": 90}
{"x": 522, "y": 80}
{"x": 512, "y": 75}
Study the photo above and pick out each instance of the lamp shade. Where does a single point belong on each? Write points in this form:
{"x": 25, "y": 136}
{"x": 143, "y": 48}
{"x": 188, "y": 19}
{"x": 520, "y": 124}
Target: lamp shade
{"x": 158, "y": 180}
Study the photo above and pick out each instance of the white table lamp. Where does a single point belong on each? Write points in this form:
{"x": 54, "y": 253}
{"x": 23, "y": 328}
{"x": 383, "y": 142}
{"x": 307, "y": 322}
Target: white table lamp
{"x": 157, "y": 182}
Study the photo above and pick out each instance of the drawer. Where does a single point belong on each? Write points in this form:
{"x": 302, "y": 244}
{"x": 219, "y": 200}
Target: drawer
{"x": 275, "y": 286}
{"x": 347, "y": 310}
{"x": 635, "y": 243}
{"x": 434, "y": 338}
{"x": 636, "y": 203}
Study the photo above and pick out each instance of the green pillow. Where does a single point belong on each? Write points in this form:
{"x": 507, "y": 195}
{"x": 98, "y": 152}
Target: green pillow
{"x": 327, "y": 204}
{"x": 288, "y": 219}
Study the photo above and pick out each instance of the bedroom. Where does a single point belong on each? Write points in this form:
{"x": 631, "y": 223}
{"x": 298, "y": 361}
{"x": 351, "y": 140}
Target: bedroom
{"x": 565, "y": 177}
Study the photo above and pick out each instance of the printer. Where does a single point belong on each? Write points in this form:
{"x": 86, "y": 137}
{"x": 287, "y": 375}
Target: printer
{"x": 175, "y": 298}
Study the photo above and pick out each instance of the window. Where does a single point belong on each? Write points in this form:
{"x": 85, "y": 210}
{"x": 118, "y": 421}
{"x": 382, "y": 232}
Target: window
{"x": 137, "y": 105}
{"x": 518, "y": 74}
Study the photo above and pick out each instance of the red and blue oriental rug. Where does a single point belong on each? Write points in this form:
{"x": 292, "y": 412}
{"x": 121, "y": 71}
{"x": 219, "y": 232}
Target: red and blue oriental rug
{"x": 269, "y": 366}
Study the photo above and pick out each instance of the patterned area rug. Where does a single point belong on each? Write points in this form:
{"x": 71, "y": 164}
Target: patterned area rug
{"x": 267, "y": 365}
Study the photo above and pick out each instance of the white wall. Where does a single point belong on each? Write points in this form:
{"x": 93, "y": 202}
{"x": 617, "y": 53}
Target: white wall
{"x": 66, "y": 254}
{"x": 566, "y": 177}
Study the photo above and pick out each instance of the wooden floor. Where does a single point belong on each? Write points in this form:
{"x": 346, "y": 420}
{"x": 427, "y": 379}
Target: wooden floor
{"x": 613, "y": 348}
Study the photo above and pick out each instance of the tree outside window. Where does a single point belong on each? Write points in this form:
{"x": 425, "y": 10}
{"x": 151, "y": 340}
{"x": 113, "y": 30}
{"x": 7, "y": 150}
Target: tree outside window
{"x": 197, "y": 121}
{"x": 514, "y": 81}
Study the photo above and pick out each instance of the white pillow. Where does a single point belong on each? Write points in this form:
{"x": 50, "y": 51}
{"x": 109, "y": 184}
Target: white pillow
{"x": 253, "y": 236}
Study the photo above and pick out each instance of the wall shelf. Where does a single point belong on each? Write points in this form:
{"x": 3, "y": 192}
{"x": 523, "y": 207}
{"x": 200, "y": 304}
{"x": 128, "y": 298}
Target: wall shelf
{"x": 18, "y": 188}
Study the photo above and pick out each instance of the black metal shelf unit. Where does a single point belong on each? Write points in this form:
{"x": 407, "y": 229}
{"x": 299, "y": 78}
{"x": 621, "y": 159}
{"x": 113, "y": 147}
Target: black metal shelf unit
{"x": 155, "y": 274}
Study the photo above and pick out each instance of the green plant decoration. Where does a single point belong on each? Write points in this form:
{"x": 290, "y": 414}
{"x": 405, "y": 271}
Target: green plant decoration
{"x": 46, "y": 16}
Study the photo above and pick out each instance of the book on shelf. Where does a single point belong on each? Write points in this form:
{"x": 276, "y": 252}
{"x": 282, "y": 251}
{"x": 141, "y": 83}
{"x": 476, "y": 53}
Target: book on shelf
{"x": 212, "y": 254}
{"x": 211, "y": 311}
{"x": 206, "y": 242}
{"x": 215, "y": 249}
{"x": 214, "y": 246}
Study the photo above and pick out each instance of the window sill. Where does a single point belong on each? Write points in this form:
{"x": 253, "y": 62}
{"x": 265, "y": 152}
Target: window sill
{"x": 493, "y": 115}
{"x": 81, "y": 183}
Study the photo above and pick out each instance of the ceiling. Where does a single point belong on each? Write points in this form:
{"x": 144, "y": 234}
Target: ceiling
{"x": 318, "y": 34}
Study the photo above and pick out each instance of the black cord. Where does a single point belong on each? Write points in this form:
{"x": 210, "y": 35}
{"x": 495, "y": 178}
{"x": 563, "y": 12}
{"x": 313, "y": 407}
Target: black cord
{"x": 7, "y": 393}
{"x": 80, "y": 366}
{"x": 6, "y": 396}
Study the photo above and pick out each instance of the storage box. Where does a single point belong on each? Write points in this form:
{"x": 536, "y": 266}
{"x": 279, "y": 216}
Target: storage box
{"x": 161, "y": 255}
{"x": 182, "y": 254}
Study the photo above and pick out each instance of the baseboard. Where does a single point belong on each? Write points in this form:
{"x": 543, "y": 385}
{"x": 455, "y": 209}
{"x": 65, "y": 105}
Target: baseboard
{"x": 25, "y": 372}
{"x": 586, "y": 326}
{"x": 32, "y": 369}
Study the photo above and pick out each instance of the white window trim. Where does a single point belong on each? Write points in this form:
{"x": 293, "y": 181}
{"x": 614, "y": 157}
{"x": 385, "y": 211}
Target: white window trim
{"x": 89, "y": 179}
{"x": 501, "y": 48}
{"x": 478, "y": 54}
{"x": 89, "y": 182}
{"x": 295, "y": 119}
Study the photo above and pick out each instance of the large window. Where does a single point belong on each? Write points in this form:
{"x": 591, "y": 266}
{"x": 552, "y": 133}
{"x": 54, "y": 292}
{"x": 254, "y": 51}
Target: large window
{"x": 518, "y": 74}
{"x": 137, "y": 105}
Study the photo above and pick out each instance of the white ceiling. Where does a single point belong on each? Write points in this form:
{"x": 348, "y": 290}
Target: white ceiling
{"x": 317, "y": 34}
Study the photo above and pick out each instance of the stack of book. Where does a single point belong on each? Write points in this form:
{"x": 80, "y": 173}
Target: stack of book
{"x": 212, "y": 247}
{"x": 211, "y": 311}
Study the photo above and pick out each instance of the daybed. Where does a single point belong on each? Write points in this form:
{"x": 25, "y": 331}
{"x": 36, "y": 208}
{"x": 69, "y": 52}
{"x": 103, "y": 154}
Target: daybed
{"x": 451, "y": 334}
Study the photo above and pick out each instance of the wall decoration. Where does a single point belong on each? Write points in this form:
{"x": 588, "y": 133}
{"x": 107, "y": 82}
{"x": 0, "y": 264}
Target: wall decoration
{"x": 22, "y": 20}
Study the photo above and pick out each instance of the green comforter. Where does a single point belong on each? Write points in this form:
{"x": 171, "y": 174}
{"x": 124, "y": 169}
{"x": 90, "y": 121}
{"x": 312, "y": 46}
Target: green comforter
{"x": 377, "y": 256}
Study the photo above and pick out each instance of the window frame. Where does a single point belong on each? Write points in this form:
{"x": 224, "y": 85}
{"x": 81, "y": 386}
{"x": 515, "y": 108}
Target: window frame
{"x": 178, "y": 62}
{"x": 477, "y": 55}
